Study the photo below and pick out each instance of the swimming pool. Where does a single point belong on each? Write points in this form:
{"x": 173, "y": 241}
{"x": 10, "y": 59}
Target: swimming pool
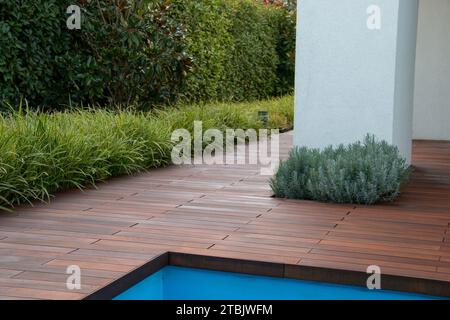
{"x": 180, "y": 283}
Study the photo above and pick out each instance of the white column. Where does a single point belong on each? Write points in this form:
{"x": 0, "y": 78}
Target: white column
{"x": 355, "y": 71}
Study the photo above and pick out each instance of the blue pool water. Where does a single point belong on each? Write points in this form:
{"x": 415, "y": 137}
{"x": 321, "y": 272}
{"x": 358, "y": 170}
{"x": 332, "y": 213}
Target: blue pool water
{"x": 177, "y": 283}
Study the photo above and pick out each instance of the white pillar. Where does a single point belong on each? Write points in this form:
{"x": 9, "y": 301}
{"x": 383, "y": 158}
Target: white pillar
{"x": 354, "y": 72}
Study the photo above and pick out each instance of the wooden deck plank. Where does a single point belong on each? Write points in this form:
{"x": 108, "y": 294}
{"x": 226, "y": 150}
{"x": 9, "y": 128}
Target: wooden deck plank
{"x": 223, "y": 211}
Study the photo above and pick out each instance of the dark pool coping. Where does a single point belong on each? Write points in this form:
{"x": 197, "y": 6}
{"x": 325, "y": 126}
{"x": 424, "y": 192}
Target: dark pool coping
{"x": 261, "y": 268}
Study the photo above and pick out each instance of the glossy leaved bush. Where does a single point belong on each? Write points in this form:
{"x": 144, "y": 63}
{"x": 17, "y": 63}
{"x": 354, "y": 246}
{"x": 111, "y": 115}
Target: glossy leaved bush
{"x": 32, "y": 49}
{"x": 143, "y": 53}
{"x": 242, "y": 49}
{"x": 133, "y": 54}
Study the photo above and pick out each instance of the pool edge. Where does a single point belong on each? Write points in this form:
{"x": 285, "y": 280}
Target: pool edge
{"x": 115, "y": 287}
{"x": 262, "y": 268}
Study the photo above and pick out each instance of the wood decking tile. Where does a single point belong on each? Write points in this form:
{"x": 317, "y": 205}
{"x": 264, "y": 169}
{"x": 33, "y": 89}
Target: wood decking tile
{"x": 223, "y": 211}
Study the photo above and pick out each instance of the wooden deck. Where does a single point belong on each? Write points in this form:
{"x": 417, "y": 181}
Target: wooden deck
{"x": 224, "y": 211}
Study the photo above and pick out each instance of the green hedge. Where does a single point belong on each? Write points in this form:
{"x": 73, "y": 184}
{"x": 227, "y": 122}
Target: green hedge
{"x": 134, "y": 55}
{"x": 242, "y": 49}
{"x": 32, "y": 49}
{"x": 124, "y": 53}
{"x": 41, "y": 153}
{"x": 141, "y": 54}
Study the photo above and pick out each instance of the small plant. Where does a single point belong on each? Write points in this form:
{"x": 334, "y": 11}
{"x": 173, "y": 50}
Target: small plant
{"x": 363, "y": 173}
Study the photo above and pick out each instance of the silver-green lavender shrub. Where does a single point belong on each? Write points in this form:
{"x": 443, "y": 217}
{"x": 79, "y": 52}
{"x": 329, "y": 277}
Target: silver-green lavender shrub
{"x": 362, "y": 173}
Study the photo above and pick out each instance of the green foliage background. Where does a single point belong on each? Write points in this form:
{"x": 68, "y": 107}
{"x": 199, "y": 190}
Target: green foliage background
{"x": 242, "y": 49}
{"x": 32, "y": 49}
{"x": 144, "y": 53}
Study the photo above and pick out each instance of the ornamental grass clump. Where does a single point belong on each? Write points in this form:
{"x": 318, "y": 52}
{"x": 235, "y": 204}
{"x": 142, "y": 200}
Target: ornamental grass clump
{"x": 361, "y": 173}
{"x": 45, "y": 152}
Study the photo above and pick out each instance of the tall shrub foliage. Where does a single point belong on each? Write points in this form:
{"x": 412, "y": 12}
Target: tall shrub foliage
{"x": 143, "y": 52}
{"x": 242, "y": 49}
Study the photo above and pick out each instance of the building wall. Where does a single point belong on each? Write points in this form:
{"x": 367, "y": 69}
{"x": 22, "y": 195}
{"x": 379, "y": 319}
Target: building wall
{"x": 350, "y": 80}
{"x": 404, "y": 79}
{"x": 432, "y": 91}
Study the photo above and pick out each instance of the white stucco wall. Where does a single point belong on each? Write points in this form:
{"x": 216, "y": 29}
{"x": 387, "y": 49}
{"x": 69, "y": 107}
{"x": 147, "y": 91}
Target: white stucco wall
{"x": 432, "y": 93}
{"x": 350, "y": 80}
{"x": 405, "y": 76}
